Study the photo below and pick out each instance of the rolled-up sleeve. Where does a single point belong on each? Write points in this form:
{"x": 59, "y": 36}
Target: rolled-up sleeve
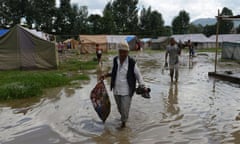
{"x": 138, "y": 75}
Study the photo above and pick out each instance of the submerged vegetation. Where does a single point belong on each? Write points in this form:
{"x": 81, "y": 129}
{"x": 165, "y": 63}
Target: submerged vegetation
{"x": 24, "y": 84}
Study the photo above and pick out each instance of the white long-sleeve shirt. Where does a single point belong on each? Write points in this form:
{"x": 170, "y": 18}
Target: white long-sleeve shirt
{"x": 121, "y": 84}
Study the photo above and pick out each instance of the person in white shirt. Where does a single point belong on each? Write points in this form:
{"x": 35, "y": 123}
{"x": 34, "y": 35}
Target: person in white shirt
{"x": 173, "y": 51}
{"x": 124, "y": 75}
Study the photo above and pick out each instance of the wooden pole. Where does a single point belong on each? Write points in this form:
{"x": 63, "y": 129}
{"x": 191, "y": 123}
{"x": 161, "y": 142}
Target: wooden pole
{"x": 217, "y": 45}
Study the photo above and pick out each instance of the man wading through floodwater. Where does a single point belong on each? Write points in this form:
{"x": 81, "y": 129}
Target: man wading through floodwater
{"x": 173, "y": 51}
{"x": 124, "y": 75}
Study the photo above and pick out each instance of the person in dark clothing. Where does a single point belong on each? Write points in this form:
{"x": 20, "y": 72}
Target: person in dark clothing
{"x": 98, "y": 53}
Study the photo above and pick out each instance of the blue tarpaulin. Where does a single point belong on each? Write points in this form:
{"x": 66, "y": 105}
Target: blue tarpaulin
{"x": 129, "y": 38}
{"x": 3, "y": 31}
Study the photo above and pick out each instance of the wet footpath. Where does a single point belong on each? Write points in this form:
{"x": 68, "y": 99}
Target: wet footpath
{"x": 196, "y": 110}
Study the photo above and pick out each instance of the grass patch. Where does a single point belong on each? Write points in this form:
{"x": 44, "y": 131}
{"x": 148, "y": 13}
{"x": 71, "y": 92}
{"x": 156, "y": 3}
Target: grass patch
{"x": 75, "y": 64}
{"x": 208, "y": 50}
{"x": 26, "y": 84}
{"x": 229, "y": 60}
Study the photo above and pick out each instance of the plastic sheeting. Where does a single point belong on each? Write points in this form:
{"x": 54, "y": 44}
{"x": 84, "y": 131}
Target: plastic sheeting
{"x": 3, "y": 32}
{"x": 231, "y": 51}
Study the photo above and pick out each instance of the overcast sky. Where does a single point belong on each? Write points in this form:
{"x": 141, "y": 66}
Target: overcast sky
{"x": 170, "y": 8}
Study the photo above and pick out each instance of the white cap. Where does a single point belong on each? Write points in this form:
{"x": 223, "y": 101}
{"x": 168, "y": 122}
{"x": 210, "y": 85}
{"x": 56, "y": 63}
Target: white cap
{"x": 123, "y": 46}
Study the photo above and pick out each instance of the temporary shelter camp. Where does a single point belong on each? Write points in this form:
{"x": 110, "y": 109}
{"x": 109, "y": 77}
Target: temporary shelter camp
{"x": 20, "y": 49}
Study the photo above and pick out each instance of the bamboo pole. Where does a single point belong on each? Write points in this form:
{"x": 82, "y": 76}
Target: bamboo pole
{"x": 217, "y": 45}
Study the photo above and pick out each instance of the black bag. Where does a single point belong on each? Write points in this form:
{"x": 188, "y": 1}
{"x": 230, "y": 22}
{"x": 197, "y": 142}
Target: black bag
{"x": 144, "y": 92}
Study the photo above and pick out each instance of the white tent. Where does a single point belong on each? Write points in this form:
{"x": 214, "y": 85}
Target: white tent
{"x": 199, "y": 40}
{"x": 231, "y": 50}
{"x": 226, "y": 38}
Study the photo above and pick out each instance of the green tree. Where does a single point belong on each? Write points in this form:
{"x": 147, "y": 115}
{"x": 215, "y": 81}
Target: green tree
{"x": 209, "y": 30}
{"x": 95, "y": 22}
{"x": 125, "y": 15}
{"x": 12, "y": 11}
{"x": 180, "y": 23}
{"x": 157, "y": 24}
{"x": 3, "y": 16}
{"x": 63, "y": 23}
{"x": 151, "y": 23}
{"x": 225, "y": 27}
{"x": 145, "y": 22}
{"x": 167, "y": 31}
{"x": 83, "y": 20}
{"x": 107, "y": 21}
{"x": 195, "y": 28}
{"x": 41, "y": 13}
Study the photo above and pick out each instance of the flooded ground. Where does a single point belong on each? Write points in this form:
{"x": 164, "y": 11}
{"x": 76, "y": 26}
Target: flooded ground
{"x": 196, "y": 110}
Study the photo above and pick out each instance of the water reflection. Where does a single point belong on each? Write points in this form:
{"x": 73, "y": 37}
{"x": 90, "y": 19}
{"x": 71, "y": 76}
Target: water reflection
{"x": 172, "y": 107}
{"x": 121, "y": 136}
{"x": 190, "y": 63}
{"x": 236, "y": 137}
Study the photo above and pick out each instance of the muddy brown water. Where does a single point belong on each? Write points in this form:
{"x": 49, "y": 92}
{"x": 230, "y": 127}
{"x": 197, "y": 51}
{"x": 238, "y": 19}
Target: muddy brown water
{"x": 196, "y": 110}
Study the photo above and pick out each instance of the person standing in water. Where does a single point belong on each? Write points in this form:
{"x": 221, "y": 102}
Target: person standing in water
{"x": 124, "y": 75}
{"x": 173, "y": 51}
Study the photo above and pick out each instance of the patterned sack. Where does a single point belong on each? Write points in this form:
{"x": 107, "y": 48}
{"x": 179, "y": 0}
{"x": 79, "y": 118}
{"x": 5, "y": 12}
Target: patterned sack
{"x": 100, "y": 100}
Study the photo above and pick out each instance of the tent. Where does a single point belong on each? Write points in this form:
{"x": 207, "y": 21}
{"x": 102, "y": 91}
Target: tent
{"x": 132, "y": 42}
{"x": 231, "y": 50}
{"x": 88, "y": 43}
{"x": 73, "y": 43}
{"x": 21, "y": 49}
{"x": 159, "y": 43}
{"x": 199, "y": 40}
{"x": 146, "y": 42}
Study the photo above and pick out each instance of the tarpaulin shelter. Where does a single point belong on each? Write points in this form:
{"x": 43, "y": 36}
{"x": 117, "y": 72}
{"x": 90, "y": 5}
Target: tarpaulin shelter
{"x": 114, "y": 40}
{"x": 88, "y": 43}
{"x": 159, "y": 43}
{"x": 21, "y": 49}
{"x": 132, "y": 42}
{"x": 3, "y": 32}
{"x": 146, "y": 42}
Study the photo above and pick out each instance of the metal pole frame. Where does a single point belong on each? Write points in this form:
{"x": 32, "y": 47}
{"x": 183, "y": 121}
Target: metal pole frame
{"x": 217, "y": 44}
